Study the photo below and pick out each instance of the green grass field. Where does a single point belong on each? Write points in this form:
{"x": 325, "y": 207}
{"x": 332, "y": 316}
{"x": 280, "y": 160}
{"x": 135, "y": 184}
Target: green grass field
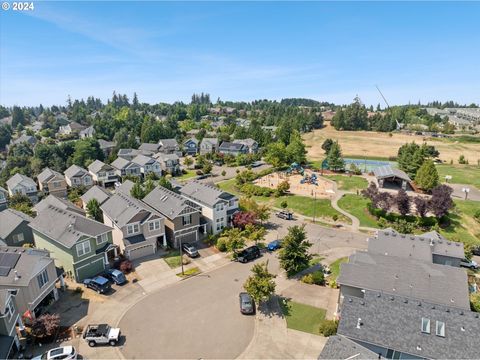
{"x": 302, "y": 317}
{"x": 461, "y": 174}
{"x": 357, "y": 206}
{"x": 350, "y": 183}
{"x": 188, "y": 175}
{"x": 464, "y": 227}
{"x": 335, "y": 268}
{"x": 173, "y": 259}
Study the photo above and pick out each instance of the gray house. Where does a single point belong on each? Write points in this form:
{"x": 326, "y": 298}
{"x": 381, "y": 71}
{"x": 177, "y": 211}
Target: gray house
{"x": 107, "y": 146}
{"x": 103, "y": 174}
{"x": 231, "y": 148}
{"x": 169, "y": 146}
{"x": 190, "y": 146}
{"x": 251, "y": 145}
{"x": 88, "y": 132}
{"x": 182, "y": 216}
{"x": 208, "y": 146}
{"x": 170, "y": 163}
{"x": 9, "y": 320}
{"x": 23, "y": 139}
{"x": 14, "y": 229}
{"x": 138, "y": 229}
{"x": 129, "y": 154}
{"x": 153, "y": 148}
{"x": 21, "y": 184}
{"x": 59, "y": 203}
{"x": 148, "y": 165}
{"x": 77, "y": 176}
{"x": 3, "y": 198}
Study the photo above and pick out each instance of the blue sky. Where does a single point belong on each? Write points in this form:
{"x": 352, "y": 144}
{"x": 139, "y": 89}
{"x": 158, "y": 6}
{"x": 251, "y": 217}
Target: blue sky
{"x": 166, "y": 51}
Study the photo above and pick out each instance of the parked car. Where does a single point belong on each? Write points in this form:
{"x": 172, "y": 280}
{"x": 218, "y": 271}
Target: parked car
{"x": 257, "y": 164}
{"x": 116, "y": 276}
{"x": 274, "y": 245}
{"x": 101, "y": 334}
{"x": 469, "y": 264}
{"x": 60, "y": 353}
{"x": 98, "y": 284}
{"x": 248, "y": 254}
{"x": 190, "y": 250}
{"x": 476, "y": 250}
{"x": 286, "y": 215}
{"x": 247, "y": 305}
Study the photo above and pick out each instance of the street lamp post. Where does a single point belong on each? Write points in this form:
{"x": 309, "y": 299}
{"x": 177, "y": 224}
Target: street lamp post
{"x": 314, "y": 205}
{"x": 181, "y": 253}
{"x": 466, "y": 191}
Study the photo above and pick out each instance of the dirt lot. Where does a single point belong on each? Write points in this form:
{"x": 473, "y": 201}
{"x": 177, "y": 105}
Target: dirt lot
{"x": 373, "y": 144}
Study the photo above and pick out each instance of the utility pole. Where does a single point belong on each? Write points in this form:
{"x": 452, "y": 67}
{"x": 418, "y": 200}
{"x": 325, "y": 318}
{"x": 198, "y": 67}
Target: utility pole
{"x": 181, "y": 254}
{"x": 314, "y": 205}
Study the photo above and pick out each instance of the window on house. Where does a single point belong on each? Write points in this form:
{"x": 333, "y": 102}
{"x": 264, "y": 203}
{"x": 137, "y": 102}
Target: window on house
{"x": 83, "y": 248}
{"x": 18, "y": 238}
{"x": 42, "y": 278}
{"x": 88, "y": 180}
{"x": 187, "y": 219}
{"x": 132, "y": 229}
{"x": 440, "y": 328}
{"x": 10, "y": 309}
{"x": 426, "y": 325}
{"x": 219, "y": 207}
{"x": 56, "y": 184}
{"x": 102, "y": 239}
{"x": 154, "y": 225}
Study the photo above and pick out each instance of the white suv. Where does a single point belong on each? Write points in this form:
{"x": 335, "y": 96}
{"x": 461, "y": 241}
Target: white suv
{"x": 60, "y": 353}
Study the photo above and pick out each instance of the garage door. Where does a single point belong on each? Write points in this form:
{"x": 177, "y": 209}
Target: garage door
{"x": 190, "y": 238}
{"x": 90, "y": 269}
{"x": 141, "y": 251}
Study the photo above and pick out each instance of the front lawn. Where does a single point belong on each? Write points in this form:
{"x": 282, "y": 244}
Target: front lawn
{"x": 302, "y": 317}
{"x": 188, "y": 175}
{"x": 173, "y": 259}
{"x": 461, "y": 174}
{"x": 190, "y": 272}
{"x": 350, "y": 183}
{"x": 357, "y": 206}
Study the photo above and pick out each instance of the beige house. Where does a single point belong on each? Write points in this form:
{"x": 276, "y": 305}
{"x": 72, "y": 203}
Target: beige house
{"x": 52, "y": 182}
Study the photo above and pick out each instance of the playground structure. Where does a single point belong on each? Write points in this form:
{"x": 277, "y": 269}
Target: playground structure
{"x": 303, "y": 182}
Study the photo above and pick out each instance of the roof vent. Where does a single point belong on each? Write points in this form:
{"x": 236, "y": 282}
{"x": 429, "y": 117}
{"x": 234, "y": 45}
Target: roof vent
{"x": 405, "y": 301}
{"x": 359, "y": 323}
{"x": 462, "y": 328}
{"x": 419, "y": 348}
{"x": 432, "y": 243}
{"x": 461, "y": 312}
{"x": 17, "y": 277}
{"x": 396, "y": 276}
{"x": 350, "y": 300}
{"x": 448, "y": 310}
{"x": 379, "y": 295}
{"x": 433, "y": 306}
{"x": 392, "y": 298}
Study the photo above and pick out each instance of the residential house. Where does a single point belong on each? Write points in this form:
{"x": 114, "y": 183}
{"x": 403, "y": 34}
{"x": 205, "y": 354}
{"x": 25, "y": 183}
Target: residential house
{"x": 153, "y": 148}
{"x": 52, "y": 182}
{"x": 107, "y": 146}
{"x": 77, "y": 176}
{"x": 88, "y": 132}
{"x": 95, "y": 192}
{"x": 231, "y": 148}
{"x": 137, "y": 228}
{"x": 3, "y": 198}
{"x": 71, "y": 128}
{"x": 125, "y": 187}
{"x": 169, "y": 146}
{"x": 208, "y": 146}
{"x": 190, "y": 146}
{"x": 148, "y": 165}
{"x": 125, "y": 167}
{"x": 14, "y": 229}
{"x": 250, "y": 144}
{"x": 242, "y": 122}
{"x": 129, "y": 154}
{"x": 23, "y": 139}
{"x": 81, "y": 246}
{"x": 341, "y": 347}
{"x": 103, "y": 174}
{"x": 182, "y": 216}
{"x": 170, "y": 163}
{"x": 59, "y": 203}
{"x": 21, "y": 184}
{"x": 218, "y": 206}
{"x": 32, "y": 274}
{"x": 10, "y": 319}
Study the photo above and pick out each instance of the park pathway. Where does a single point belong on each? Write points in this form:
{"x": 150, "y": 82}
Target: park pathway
{"x": 338, "y": 195}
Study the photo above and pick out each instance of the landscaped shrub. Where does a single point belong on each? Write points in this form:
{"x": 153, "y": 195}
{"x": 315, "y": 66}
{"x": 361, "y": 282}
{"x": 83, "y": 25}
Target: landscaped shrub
{"x": 475, "y": 302}
{"x": 254, "y": 190}
{"x": 221, "y": 245}
{"x": 126, "y": 266}
{"x": 316, "y": 277}
{"x": 328, "y": 327}
{"x": 78, "y": 290}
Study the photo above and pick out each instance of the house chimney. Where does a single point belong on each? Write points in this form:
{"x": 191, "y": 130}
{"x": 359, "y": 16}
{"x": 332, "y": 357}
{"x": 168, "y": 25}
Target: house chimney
{"x": 17, "y": 277}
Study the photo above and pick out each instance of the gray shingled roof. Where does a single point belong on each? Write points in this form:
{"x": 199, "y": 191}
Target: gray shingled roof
{"x": 63, "y": 204}
{"x": 169, "y": 203}
{"x": 97, "y": 165}
{"x": 205, "y": 194}
{"x": 394, "y": 322}
{"x": 194, "y": 140}
{"x": 419, "y": 247}
{"x": 168, "y": 143}
{"x": 436, "y": 283}
{"x": 29, "y": 264}
{"x": 104, "y": 144}
{"x": 47, "y": 174}
{"x": 89, "y": 131}
{"x": 247, "y": 142}
{"x": 126, "y": 187}
{"x": 231, "y": 146}
{"x": 9, "y": 221}
{"x": 74, "y": 171}
{"x": 20, "y": 179}
{"x": 120, "y": 163}
{"x": 142, "y": 160}
{"x": 340, "y": 347}
{"x": 387, "y": 171}
{"x": 165, "y": 157}
{"x": 24, "y": 139}
{"x": 95, "y": 192}
{"x": 66, "y": 227}
{"x": 212, "y": 141}
{"x": 149, "y": 147}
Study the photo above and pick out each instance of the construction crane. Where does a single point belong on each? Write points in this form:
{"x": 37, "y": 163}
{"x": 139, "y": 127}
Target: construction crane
{"x": 399, "y": 126}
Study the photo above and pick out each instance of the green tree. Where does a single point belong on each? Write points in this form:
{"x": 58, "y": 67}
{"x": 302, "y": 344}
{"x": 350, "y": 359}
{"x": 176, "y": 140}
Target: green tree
{"x": 427, "y": 176}
{"x": 295, "y": 150}
{"x": 207, "y": 168}
{"x": 137, "y": 191}
{"x": 86, "y": 151}
{"x": 5, "y": 135}
{"x": 233, "y": 238}
{"x": 165, "y": 183}
{"x": 18, "y": 117}
{"x": 149, "y": 185}
{"x": 294, "y": 255}
{"x": 334, "y": 158}
{"x": 260, "y": 285}
{"x": 283, "y": 187}
{"x": 276, "y": 154}
{"x": 94, "y": 211}
{"x": 188, "y": 161}
{"x": 327, "y": 144}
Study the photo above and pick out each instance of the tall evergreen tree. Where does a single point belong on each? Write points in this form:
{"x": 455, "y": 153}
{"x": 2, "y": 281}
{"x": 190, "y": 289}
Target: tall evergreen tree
{"x": 335, "y": 158}
{"x": 427, "y": 176}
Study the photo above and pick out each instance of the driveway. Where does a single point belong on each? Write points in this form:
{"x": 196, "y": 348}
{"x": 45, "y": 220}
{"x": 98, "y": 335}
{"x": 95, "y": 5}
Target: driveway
{"x": 474, "y": 193}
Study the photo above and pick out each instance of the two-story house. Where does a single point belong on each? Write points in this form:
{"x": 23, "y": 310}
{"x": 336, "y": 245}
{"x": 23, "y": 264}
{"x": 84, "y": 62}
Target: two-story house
{"x": 170, "y": 163}
{"x": 231, "y": 148}
{"x": 21, "y": 184}
{"x": 190, "y": 146}
{"x": 182, "y": 216}
{"x": 77, "y": 176}
{"x": 106, "y": 146}
{"x": 148, "y": 165}
{"x": 81, "y": 246}
{"x": 208, "y": 146}
{"x": 218, "y": 206}
{"x": 23, "y": 139}
{"x": 32, "y": 273}
{"x": 60, "y": 203}
{"x": 3, "y": 198}
{"x": 14, "y": 229}
{"x": 129, "y": 154}
{"x": 250, "y": 144}
{"x": 10, "y": 319}
{"x": 137, "y": 228}
{"x": 52, "y": 182}
{"x": 70, "y": 129}
{"x": 88, "y": 132}
{"x": 103, "y": 174}
{"x": 125, "y": 167}
{"x": 95, "y": 192}
{"x": 152, "y": 148}
{"x": 169, "y": 146}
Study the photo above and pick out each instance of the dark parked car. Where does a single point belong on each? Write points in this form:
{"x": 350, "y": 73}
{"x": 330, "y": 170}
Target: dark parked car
{"x": 247, "y": 305}
{"x": 116, "y": 276}
{"x": 274, "y": 245}
{"x": 98, "y": 284}
{"x": 286, "y": 215}
{"x": 248, "y": 254}
{"x": 190, "y": 250}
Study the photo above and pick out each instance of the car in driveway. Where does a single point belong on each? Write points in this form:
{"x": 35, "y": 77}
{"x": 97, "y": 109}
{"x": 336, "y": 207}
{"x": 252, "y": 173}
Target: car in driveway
{"x": 274, "y": 245}
{"x": 59, "y": 353}
{"x": 190, "y": 250}
{"x": 248, "y": 254}
{"x": 247, "y": 305}
{"x": 286, "y": 215}
{"x": 469, "y": 264}
{"x": 98, "y": 284}
{"x": 116, "y": 276}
